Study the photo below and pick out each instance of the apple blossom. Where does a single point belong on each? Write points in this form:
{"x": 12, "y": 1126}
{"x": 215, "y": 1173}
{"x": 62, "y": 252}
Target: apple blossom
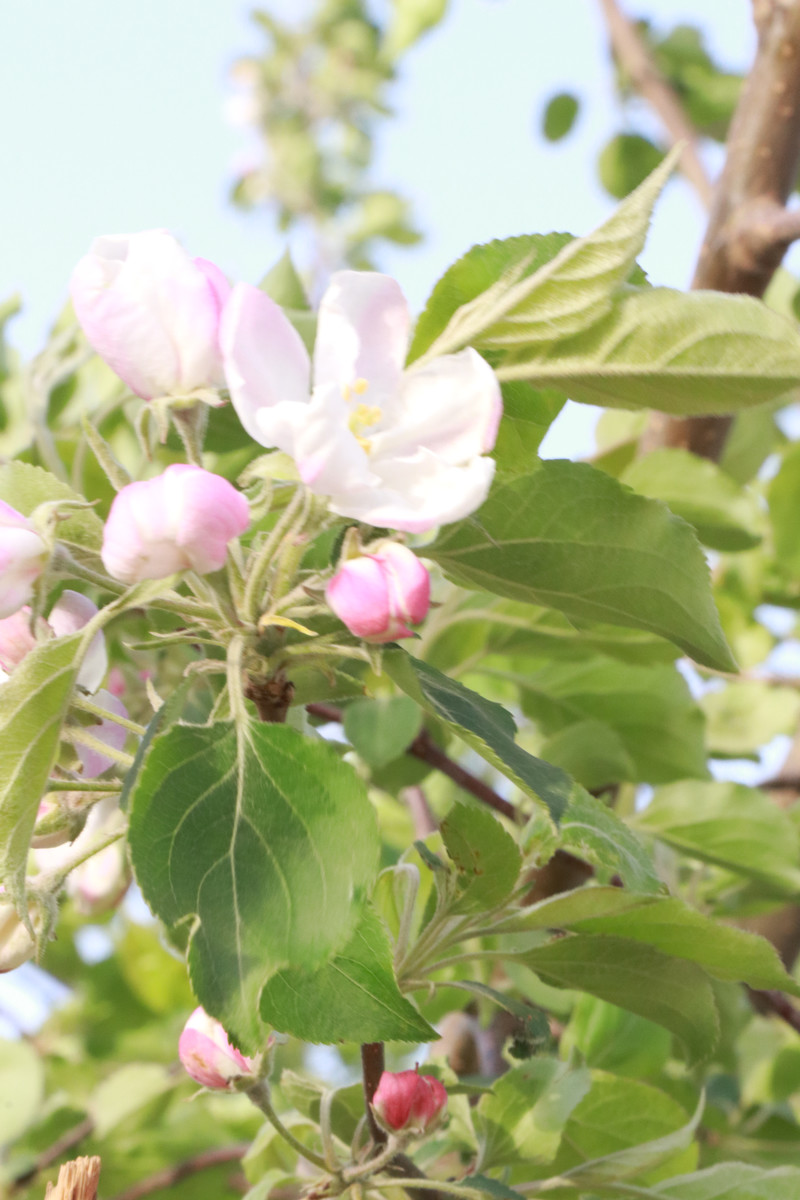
{"x": 409, "y": 1102}
{"x": 378, "y": 595}
{"x": 181, "y": 520}
{"x": 69, "y": 614}
{"x": 107, "y": 731}
{"x": 23, "y": 555}
{"x": 394, "y": 448}
{"x": 152, "y": 312}
{"x": 207, "y": 1055}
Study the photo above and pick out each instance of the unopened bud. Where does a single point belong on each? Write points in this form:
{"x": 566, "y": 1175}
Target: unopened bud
{"x": 207, "y": 1054}
{"x": 408, "y": 1102}
{"x": 378, "y": 596}
{"x": 23, "y": 556}
{"x": 16, "y": 944}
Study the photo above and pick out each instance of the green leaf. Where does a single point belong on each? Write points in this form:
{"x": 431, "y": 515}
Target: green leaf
{"x": 523, "y": 1117}
{"x": 625, "y": 161}
{"x": 559, "y": 116}
{"x": 528, "y": 413}
{"x": 490, "y": 1187}
{"x": 33, "y": 705}
{"x": 592, "y": 753}
{"x": 609, "y": 1038}
{"x": 284, "y": 285}
{"x": 784, "y": 502}
{"x": 264, "y": 842}
{"x": 21, "y": 1089}
{"x": 670, "y": 926}
{"x": 648, "y": 708}
{"x": 734, "y": 1181}
{"x": 625, "y": 1129}
{"x": 594, "y": 832}
{"x": 532, "y": 1025}
{"x": 474, "y": 273}
{"x": 742, "y": 716}
{"x": 724, "y": 515}
{"x": 566, "y": 295}
{"x": 572, "y": 538}
{"x": 730, "y": 826}
{"x": 125, "y": 1091}
{"x": 25, "y": 487}
{"x": 693, "y": 353}
{"x": 353, "y": 998}
{"x": 411, "y": 19}
{"x": 381, "y": 729}
{"x": 487, "y": 727}
{"x": 485, "y": 855}
{"x": 672, "y": 992}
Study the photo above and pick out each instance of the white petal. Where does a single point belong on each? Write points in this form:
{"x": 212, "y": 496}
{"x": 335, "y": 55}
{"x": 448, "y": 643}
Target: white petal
{"x": 362, "y": 333}
{"x": 265, "y": 359}
{"x": 328, "y": 456}
{"x": 419, "y": 493}
{"x": 69, "y": 614}
{"x": 452, "y": 407}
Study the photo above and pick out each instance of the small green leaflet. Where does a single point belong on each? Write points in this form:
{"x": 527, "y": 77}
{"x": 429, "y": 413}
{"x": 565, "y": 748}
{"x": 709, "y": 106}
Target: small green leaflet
{"x": 264, "y": 842}
{"x": 486, "y": 857}
{"x": 353, "y": 998}
{"x": 570, "y": 537}
{"x": 733, "y": 1181}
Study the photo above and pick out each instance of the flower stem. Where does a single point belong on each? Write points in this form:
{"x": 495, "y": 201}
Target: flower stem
{"x": 106, "y": 714}
{"x": 258, "y": 1094}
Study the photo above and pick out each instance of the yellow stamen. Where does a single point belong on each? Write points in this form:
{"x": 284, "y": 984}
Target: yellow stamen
{"x": 346, "y": 393}
{"x": 360, "y": 386}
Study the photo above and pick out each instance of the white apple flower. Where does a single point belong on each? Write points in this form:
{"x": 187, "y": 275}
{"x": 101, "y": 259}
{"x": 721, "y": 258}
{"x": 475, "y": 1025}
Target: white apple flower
{"x": 394, "y": 448}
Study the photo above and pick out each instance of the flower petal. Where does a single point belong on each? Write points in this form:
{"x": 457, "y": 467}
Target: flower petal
{"x": 71, "y": 612}
{"x": 265, "y": 359}
{"x": 328, "y": 455}
{"x": 419, "y": 493}
{"x": 362, "y": 333}
{"x": 452, "y": 406}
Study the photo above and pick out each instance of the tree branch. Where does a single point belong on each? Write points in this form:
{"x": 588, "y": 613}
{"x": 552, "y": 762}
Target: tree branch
{"x": 168, "y": 1177}
{"x": 372, "y": 1067}
{"x": 777, "y": 1004}
{"x": 425, "y": 748}
{"x": 632, "y": 53}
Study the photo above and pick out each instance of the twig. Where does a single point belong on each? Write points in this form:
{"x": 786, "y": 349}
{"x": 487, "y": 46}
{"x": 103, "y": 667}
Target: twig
{"x": 170, "y": 1176}
{"x": 417, "y": 803}
{"x": 768, "y": 1001}
{"x": 372, "y": 1067}
{"x": 648, "y": 81}
{"x": 425, "y": 748}
{"x": 68, "y": 1141}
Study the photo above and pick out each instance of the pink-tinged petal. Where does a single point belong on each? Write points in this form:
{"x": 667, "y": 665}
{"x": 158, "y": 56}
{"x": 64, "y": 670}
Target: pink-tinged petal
{"x": 207, "y": 1055}
{"x": 362, "y": 334}
{"x": 16, "y": 638}
{"x": 376, "y": 595}
{"x": 183, "y": 519}
{"x": 69, "y": 614}
{"x": 150, "y": 312}
{"x": 23, "y": 555}
{"x": 406, "y": 1101}
{"x": 409, "y": 583}
{"x": 217, "y": 283}
{"x": 419, "y": 493}
{"x": 452, "y": 407}
{"x": 265, "y": 359}
{"x": 106, "y": 731}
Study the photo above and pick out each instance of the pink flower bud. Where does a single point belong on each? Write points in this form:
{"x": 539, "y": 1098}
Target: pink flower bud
{"x": 152, "y": 312}
{"x": 378, "y": 595}
{"x": 69, "y": 614}
{"x": 181, "y": 520}
{"x": 207, "y": 1054}
{"x": 408, "y": 1101}
{"x": 23, "y": 555}
{"x": 16, "y": 638}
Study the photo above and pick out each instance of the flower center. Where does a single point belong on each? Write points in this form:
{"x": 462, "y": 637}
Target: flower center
{"x": 363, "y": 416}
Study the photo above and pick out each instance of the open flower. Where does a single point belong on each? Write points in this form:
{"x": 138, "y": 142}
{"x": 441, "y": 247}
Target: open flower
{"x": 152, "y": 312}
{"x": 394, "y": 448}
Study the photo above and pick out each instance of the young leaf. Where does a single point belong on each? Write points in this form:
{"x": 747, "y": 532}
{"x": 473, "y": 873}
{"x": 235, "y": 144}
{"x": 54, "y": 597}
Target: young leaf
{"x": 595, "y": 832}
{"x": 567, "y": 294}
{"x": 487, "y": 727}
{"x": 486, "y": 857}
{"x": 33, "y": 704}
{"x": 353, "y": 998}
{"x": 734, "y": 1181}
{"x": 381, "y": 729}
{"x": 523, "y": 1117}
{"x": 681, "y": 353}
{"x": 731, "y": 826}
{"x": 670, "y": 991}
{"x": 672, "y": 927}
{"x": 241, "y": 834}
{"x": 570, "y": 537}
{"x": 724, "y": 515}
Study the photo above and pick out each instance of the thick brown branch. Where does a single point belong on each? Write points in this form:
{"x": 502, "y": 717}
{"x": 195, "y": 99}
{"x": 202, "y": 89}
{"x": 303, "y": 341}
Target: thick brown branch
{"x": 775, "y": 1004}
{"x": 647, "y": 80}
{"x": 170, "y": 1176}
{"x": 372, "y": 1067}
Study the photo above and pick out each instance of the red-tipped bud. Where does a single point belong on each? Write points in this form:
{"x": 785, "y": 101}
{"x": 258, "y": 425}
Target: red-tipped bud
{"x": 207, "y": 1054}
{"x": 409, "y": 1102}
